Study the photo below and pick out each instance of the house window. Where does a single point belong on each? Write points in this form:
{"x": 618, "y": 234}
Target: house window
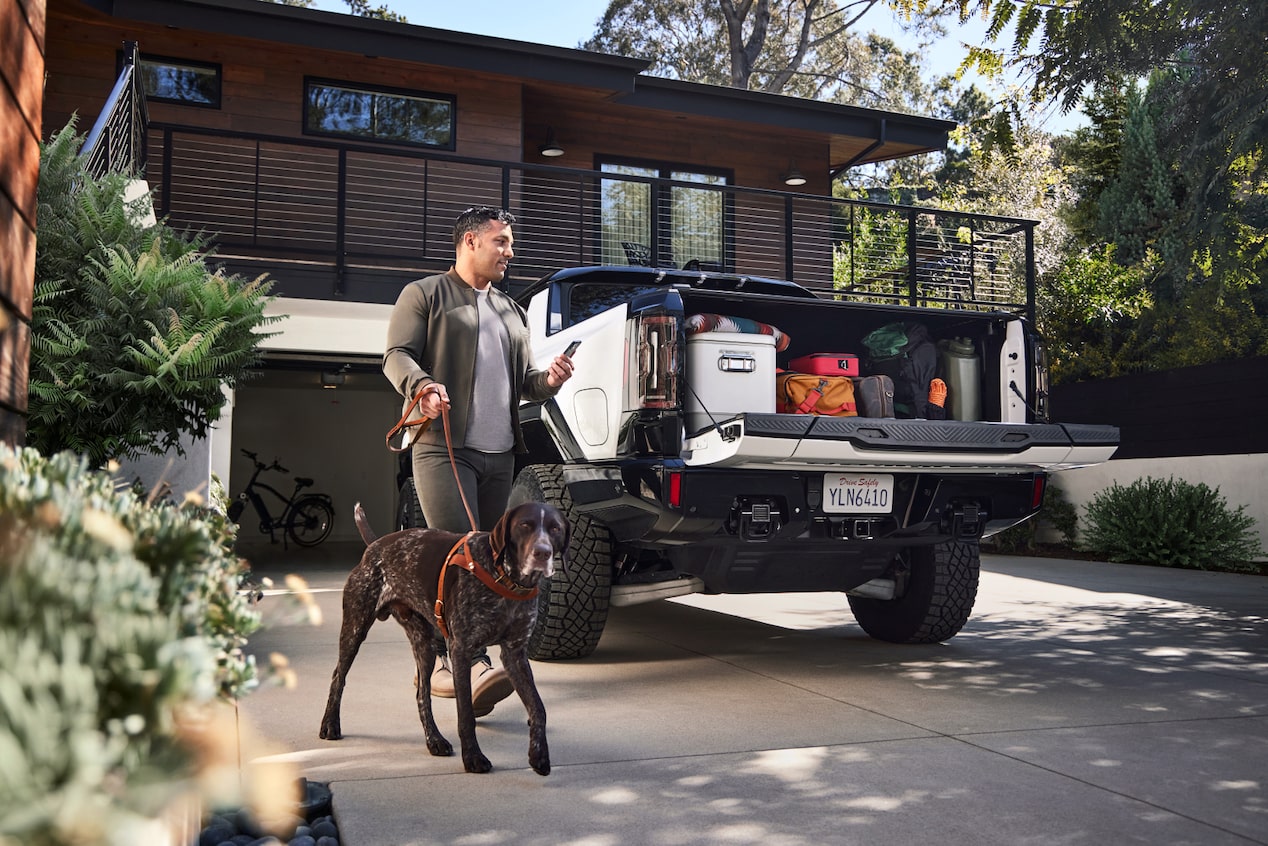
{"x": 179, "y": 81}
{"x": 378, "y": 114}
{"x": 648, "y": 222}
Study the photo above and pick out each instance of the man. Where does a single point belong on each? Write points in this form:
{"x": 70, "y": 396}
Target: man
{"x": 467, "y": 344}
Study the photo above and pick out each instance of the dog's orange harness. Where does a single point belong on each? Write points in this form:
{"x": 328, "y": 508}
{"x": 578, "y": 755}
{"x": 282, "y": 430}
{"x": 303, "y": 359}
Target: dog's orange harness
{"x": 501, "y": 584}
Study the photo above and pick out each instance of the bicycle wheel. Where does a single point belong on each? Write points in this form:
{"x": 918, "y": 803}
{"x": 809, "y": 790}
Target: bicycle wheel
{"x": 311, "y": 520}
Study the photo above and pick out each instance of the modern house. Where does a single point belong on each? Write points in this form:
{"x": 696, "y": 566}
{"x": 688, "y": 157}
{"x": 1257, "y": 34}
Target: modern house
{"x": 333, "y": 152}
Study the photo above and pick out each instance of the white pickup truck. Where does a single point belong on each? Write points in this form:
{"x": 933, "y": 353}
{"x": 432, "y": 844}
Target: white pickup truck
{"x": 666, "y": 454}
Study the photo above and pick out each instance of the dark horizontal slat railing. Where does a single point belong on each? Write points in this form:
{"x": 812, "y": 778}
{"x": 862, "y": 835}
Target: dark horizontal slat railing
{"x": 347, "y": 220}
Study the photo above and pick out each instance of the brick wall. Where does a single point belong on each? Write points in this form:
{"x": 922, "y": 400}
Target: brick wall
{"x": 21, "y": 94}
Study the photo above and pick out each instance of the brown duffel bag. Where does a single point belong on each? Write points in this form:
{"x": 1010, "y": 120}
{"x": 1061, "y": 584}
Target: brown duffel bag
{"x": 805, "y": 393}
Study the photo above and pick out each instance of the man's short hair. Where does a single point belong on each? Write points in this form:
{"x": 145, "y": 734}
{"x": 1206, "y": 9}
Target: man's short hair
{"x": 474, "y": 219}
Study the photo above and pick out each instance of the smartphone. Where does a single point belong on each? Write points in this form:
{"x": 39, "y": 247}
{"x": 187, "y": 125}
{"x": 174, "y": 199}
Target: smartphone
{"x": 572, "y": 348}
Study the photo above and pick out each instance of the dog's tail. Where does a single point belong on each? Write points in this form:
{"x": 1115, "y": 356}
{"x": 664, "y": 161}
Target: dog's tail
{"x": 363, "y": 525}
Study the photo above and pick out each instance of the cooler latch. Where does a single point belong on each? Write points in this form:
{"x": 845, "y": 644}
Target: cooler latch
{"x": 731, "y": 361}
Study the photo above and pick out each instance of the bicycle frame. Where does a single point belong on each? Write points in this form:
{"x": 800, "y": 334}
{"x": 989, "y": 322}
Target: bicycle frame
{"x": 286, "y": 522}
{"x": 267, "y": 521}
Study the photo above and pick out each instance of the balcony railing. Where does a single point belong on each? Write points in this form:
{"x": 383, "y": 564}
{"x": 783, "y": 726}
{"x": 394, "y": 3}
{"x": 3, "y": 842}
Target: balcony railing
{"x": 349, "y": 221}
{"x": 116, "y": 141}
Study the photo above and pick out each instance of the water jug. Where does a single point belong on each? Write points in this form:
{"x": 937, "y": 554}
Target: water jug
{"x": 963, "y": 378}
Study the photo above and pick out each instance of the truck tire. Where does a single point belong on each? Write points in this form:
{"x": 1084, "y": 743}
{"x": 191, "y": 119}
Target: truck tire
{"x": 938, "y": 599}
{"x": 572, "y": 606}
{"x": 409, "y": 514}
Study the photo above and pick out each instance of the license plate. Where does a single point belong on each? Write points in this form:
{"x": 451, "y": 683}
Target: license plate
{"x": 858, "y": 493}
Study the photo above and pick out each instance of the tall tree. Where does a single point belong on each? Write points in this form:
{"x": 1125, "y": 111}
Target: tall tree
{"x": 802, "y": 48}
{"x": 1063, "y": 48}
{"x": 1138, "y": 206}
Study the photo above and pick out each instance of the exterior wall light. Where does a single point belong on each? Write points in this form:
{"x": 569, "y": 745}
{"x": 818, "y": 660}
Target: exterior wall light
{"x": 551, "y": 148}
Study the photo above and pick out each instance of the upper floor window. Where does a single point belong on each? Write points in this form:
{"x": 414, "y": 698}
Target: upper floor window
{"x": 378, "y": 114}
{"x": 180, "y": 81}
{"x": 648, "y": 220}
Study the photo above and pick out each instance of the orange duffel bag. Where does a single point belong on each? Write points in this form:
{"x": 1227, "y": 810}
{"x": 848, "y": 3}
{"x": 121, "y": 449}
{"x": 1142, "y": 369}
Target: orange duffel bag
{"x": 806, "y": 393}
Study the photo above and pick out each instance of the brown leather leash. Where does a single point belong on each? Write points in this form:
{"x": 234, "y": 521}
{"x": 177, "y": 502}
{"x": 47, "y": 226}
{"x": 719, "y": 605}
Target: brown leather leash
{"x": 459, "y": 556}
{"x": 423, "y": 423}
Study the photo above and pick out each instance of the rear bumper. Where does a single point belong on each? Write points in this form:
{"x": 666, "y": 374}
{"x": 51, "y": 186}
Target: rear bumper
{"x": 667, "y": 504}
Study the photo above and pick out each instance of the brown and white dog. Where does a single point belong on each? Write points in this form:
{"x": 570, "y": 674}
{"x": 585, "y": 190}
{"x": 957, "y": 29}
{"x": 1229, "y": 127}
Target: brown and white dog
{"x": 399, "y": 576}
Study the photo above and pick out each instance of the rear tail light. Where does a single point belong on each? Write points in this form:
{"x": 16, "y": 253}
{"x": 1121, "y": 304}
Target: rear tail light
{"x": 1036, "y": 492}
{"x": 657, "y": 361}
{"x": 675, "y": 489}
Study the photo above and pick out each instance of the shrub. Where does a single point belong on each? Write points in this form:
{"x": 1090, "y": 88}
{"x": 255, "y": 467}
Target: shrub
{"x": 133, "y": 339}
{"x": 115, "y": 614}
{"x": 1171, "y": 523}
{"x": 1057, "y": 512}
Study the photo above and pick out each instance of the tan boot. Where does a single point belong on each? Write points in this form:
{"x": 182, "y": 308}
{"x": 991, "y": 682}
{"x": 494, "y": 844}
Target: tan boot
{"x": 442, "y": 679}
{"x": 489, "y": 686}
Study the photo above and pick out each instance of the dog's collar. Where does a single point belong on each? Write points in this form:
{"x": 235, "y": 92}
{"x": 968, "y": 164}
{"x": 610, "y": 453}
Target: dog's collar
{"x": 500, "y": 582}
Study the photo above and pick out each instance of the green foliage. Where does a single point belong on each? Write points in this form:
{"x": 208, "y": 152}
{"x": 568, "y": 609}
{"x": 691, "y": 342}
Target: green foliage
{"x": 132, "y": 338}
{"x": 1170, "y": 523}
{"x": 1057, "y": 512}
{"x": 1088, "y": 311}
{"x": 115, "y": 614}
{"x": 1138, "y": 206}
{"x": 801, "y": 49}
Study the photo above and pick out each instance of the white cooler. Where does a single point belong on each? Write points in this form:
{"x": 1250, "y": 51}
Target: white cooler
{"x": 728, "y": 373}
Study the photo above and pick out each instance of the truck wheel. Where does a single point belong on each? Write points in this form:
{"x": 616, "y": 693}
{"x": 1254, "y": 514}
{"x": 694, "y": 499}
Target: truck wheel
{"x": 409, "y": 514}
{"x": 941, "y": 587}
{"x": 572, "y": 606}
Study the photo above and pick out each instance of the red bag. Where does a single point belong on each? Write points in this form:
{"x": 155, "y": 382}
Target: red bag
{"x": 827, "y": 364}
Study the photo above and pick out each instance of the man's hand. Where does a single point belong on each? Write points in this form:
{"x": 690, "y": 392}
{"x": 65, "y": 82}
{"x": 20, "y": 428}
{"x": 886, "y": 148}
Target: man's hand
{"x": 560, "y": 371}
{"x": 435, "y": 399}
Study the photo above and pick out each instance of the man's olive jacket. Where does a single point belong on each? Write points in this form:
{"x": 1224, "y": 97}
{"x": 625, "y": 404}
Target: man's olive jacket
{"x": 431, "y": 337}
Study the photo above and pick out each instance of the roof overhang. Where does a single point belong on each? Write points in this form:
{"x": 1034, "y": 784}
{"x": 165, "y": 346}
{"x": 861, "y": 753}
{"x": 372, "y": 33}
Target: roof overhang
{"x": 894, "y": 133}
{"x": 376, "y": 38}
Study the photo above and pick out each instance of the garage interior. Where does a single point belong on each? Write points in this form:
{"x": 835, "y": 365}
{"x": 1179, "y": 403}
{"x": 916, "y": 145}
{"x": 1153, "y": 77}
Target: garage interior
{"x": 323, "y": 417}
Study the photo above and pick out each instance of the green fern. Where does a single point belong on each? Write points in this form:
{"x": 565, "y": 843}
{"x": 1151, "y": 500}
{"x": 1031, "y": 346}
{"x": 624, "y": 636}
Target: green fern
{"x": 133, "y": 337}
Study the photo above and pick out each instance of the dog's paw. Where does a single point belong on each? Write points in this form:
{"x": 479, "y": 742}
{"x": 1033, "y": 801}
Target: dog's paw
{"x": 539, "y": 757}
{"x": 330, "y": 731}
{"x": 439, "y": 747}
{"x": 476, "y": 763}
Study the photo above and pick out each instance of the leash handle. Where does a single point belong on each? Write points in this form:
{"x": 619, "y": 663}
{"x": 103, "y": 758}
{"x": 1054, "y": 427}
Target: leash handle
{"x": 404, "y": 423}
{"x": 423, "y": 423}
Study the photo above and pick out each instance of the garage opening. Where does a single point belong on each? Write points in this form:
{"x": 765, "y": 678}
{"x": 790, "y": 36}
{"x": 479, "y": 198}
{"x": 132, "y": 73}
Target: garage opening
{"x": 323, "y": 417}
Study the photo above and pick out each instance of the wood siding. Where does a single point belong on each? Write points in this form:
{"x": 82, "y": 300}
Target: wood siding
{"x": 22, "y": 26}
{"x": 262, "y": 83}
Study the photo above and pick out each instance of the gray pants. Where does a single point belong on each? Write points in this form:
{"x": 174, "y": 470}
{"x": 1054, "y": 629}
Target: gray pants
{"x": 486, "y": 481}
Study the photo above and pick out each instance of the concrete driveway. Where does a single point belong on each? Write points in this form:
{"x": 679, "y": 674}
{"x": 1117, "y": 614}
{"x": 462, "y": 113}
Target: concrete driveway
{"x": 1084, "y": 703}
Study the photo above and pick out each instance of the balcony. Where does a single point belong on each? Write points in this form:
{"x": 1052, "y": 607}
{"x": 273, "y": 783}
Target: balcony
{"x": 345, "y": 221}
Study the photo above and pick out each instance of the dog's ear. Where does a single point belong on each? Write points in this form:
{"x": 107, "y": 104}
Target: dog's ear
{"x": 501, "y": 533}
